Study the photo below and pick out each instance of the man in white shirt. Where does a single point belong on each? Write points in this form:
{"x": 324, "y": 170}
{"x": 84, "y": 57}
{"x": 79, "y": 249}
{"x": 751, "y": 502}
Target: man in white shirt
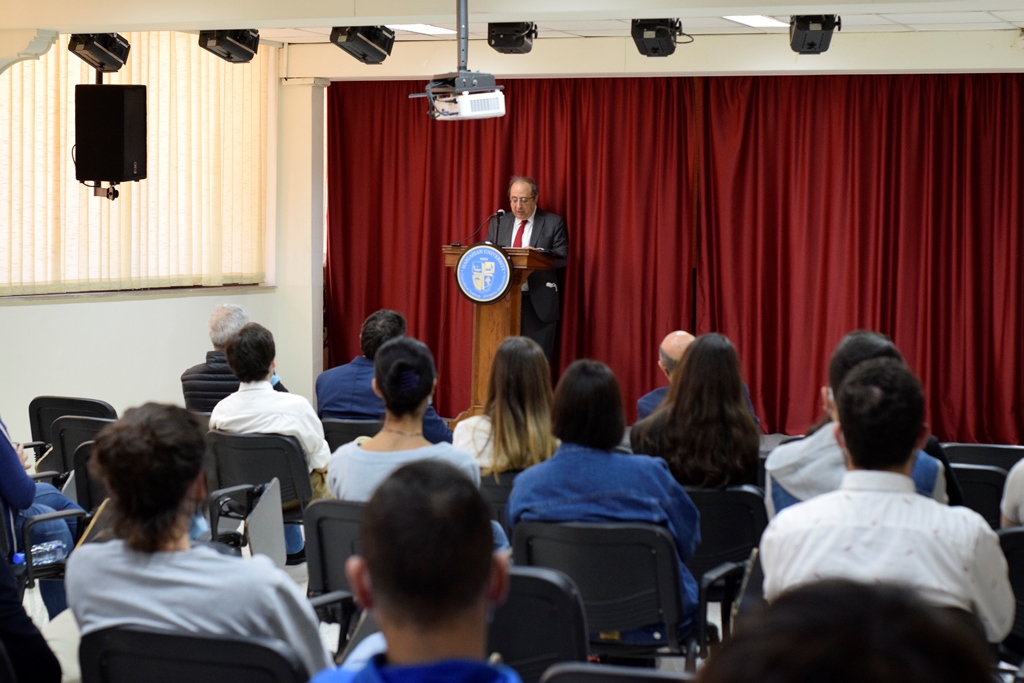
{"x": 257, "y": 409}
{"x": 875, "y": 528}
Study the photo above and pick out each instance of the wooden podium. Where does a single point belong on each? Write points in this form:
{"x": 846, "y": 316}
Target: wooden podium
{"x": 493, "y": 322}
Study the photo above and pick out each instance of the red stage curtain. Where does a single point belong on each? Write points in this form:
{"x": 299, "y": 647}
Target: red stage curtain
{"x": 889, "y": 202}
{"x": 817, "y": 205}
{"x": 611, "y": 156}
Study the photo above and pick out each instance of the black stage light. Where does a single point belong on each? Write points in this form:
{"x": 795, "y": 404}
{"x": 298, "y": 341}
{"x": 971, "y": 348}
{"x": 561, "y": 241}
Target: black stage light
{"x": 237, "y": 46}
{"x": 368, "y": 44}
{"x": 512, "y": 38}
{"x": 656, "y": 37}
{"x": 811, "y": 34}
{"x": 105, "y": 52}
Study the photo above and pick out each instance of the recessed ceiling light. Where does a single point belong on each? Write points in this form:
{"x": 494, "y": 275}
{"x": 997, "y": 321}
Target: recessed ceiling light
{"x": 758, "y": 21}
{"x": 425, "y": 29}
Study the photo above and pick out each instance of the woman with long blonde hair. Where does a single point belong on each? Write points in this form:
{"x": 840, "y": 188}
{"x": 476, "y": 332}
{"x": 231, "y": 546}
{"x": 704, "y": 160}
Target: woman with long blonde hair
{"x": 514, "y": 431}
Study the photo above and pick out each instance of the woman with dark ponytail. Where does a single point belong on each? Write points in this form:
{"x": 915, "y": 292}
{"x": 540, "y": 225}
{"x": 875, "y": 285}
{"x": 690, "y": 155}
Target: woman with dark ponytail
{"x": 404, "y": 377}
{"x": 152, "y": 576}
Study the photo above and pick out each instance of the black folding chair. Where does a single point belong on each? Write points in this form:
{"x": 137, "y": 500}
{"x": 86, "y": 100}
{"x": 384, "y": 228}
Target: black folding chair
{"x": 997, "y": 455}
{"x": 340, "y": 432}
{"x": 333, "y": 534}
{"x": 89, "y": 489}
{"x": 576, "y": 672}
{"x": 732, "y": 521}
{"x": 627, "y": 573}
{"x": 495, "y": 490}
{"x": 43, "y": 410}
{"x": 258, "y": 458}
{"x": 983, "y": 489}
{"x": 130, "y": 654}
{"x": 541, "y": 623}
{"x": 67, "y": 433}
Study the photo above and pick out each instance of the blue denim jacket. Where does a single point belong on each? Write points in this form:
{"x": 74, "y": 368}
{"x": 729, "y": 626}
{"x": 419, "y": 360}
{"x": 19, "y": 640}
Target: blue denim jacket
{"x": 580, "y": 484}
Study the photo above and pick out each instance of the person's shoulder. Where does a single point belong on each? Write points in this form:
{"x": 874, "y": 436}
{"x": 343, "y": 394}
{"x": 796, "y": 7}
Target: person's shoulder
{"x": 793, "y": 453}
{"x": 335, "y": 676}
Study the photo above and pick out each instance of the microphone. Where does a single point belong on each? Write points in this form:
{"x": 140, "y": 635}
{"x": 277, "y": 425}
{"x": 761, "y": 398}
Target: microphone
{"x": 497, "y": 214}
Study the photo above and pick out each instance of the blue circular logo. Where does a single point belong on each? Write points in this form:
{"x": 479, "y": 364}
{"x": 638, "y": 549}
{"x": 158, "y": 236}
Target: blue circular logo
{"x": 484, "y": 273}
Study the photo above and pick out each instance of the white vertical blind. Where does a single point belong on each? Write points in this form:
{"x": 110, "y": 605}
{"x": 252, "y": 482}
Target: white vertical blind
{"x": 199, "y": 216}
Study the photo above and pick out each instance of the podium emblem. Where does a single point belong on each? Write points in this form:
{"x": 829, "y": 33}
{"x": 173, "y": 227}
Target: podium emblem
{"x": 484, "y": 273}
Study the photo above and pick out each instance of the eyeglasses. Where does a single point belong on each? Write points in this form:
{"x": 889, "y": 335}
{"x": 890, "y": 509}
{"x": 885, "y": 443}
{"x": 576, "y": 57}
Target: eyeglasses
{"x": 521, "y": 200}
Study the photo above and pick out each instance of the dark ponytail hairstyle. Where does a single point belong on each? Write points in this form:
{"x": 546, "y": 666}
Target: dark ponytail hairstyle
{"x": 148, "y": 459}
{"x": 404, "y": 370}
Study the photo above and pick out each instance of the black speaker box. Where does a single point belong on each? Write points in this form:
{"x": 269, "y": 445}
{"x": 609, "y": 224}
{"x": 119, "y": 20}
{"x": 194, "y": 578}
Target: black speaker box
{"x": 110, "y": 133}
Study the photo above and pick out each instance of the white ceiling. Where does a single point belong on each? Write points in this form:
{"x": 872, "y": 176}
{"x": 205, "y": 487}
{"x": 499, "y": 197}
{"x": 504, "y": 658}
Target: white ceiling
{"x": 992, "y": 20}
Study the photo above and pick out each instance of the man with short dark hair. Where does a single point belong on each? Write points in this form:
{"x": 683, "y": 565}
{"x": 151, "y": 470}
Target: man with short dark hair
{"x": 257, "y": 408}
{"x": 204, "y": 385}
{"x": 875, "y": 528}
{"x": 429, "y": 578}
{"x": 346, "y": 393}
{"x": 802, "y": 469}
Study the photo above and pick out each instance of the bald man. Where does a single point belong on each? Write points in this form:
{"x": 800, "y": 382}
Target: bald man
{"x": 670, "y": 353}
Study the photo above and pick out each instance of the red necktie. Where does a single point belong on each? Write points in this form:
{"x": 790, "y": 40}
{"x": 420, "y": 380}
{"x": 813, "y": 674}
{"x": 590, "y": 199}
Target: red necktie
{"x": 518, "y": 241}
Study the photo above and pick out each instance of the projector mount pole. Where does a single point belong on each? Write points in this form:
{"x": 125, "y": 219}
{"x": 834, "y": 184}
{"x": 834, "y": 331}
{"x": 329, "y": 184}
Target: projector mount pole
{"x": 462, "y": 17}
{"x": 99, "y": 77}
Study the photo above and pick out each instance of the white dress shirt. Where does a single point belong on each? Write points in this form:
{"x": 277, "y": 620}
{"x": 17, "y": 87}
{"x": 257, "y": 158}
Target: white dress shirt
{"x": 527, "y": 236}
{"x": 876, "y": 529}
{"x": 257, "y": 409}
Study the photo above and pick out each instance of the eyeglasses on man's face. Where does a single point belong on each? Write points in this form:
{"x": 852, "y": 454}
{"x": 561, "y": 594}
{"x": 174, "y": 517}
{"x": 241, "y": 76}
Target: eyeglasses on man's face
{"x": 521, "y": 200}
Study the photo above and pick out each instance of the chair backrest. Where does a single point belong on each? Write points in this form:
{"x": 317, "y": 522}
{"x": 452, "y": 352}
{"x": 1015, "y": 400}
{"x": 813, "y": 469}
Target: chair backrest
{"x": 628, "y": 574}
{"x": 127, "y": 655}
{"x": 731, "y": 523}
{"x": 998, "y": 455}
{"x": 67, "y": 433}
{"x": 258, "y": 458}
{"x": 495, "y": 490}
{"x": 983, "y": 489}
{"x": 90, "y": 490}
{"x": 339, "y": 432}
{"x": 577, "y": 672}
{"x": 333, "y": 534}
{"x": 541, "y": 623}
{"x": 43, "y": 410}
{"x": 1012, "y": 542}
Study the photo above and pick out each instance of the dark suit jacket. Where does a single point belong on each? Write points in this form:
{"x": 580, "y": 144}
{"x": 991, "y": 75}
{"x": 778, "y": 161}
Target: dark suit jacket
{"x": 346, "y": 393}
{"x": 548, "y": 233}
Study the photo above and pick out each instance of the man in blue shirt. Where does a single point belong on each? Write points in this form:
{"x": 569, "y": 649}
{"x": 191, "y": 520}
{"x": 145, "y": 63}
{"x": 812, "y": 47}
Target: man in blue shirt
{"x": 345, "y": 392}
{"x": 430, "y": 579}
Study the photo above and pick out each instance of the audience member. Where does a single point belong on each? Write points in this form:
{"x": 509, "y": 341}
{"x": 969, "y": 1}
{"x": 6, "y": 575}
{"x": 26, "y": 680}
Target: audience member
{"x": 514, "y": 430}
{"x": 669, "y": 354}
{"x": 1012, "y": 505}
{"x": 30, "y": 656}
{"x": 704, "y": 429}
{"x": 404, "y": 378}
{"x": 21, "y": 498}
{"x": 584, "y": 481}
{"x": 345, "y": 393}
{"x": 257, "y": 408}
{"x": 151, "y": 576}
{"x": 429, "y": 578}
{"x": 808, "y": 467}
{"x": 875, "y": 529}
{"x": 843, "y": 632}
{"x": 204, "y": 385}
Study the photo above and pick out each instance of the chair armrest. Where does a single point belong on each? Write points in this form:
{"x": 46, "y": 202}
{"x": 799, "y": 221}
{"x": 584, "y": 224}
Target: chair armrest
{"x": 40, "y": 447}
{"x": 332, "y": 598}
{"x": 48, "y": 474}
{"x": 26, "y": 535}
{"x": 336, "y": 607}
{"x": 732, "y": 574}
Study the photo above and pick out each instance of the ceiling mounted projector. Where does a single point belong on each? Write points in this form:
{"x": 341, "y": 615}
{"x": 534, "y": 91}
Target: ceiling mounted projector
{"x": 368, "y": 44}
{"x": 105, "y": 52}
{"x": 237, "y": 46}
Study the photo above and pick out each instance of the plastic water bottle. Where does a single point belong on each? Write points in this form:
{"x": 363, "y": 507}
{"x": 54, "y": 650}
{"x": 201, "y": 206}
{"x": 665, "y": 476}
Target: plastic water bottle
{"x": 48, "y": 553}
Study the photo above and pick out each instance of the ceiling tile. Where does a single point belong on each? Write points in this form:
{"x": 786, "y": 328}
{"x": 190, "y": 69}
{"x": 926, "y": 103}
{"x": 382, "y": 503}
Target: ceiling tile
{"x": 1015, "y": 16}
{"x": 880, "y": 28}
{"x": 580, "y": 26}
{"x": 942, "y": 18}
{"x": 864, "y": 20}
{"x": 598, "y": 33}
{"x": 960, "y": 27}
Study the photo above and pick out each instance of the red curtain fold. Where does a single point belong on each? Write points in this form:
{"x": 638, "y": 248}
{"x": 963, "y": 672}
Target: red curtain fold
{"x": 610, "y": 156}
{"x": 890, "y": 202}
{"x": 809, "y": 206}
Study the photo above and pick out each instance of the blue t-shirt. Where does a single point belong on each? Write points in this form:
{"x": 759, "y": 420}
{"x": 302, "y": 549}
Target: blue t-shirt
{"x": 448, "y": 671}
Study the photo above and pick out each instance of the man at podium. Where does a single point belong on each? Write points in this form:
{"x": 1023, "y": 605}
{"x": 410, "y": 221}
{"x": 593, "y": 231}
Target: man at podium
{"x": 529, "y": 227}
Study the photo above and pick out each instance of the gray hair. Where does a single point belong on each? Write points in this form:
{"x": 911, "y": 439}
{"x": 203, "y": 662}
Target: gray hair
{"x": 225, "y": 321}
